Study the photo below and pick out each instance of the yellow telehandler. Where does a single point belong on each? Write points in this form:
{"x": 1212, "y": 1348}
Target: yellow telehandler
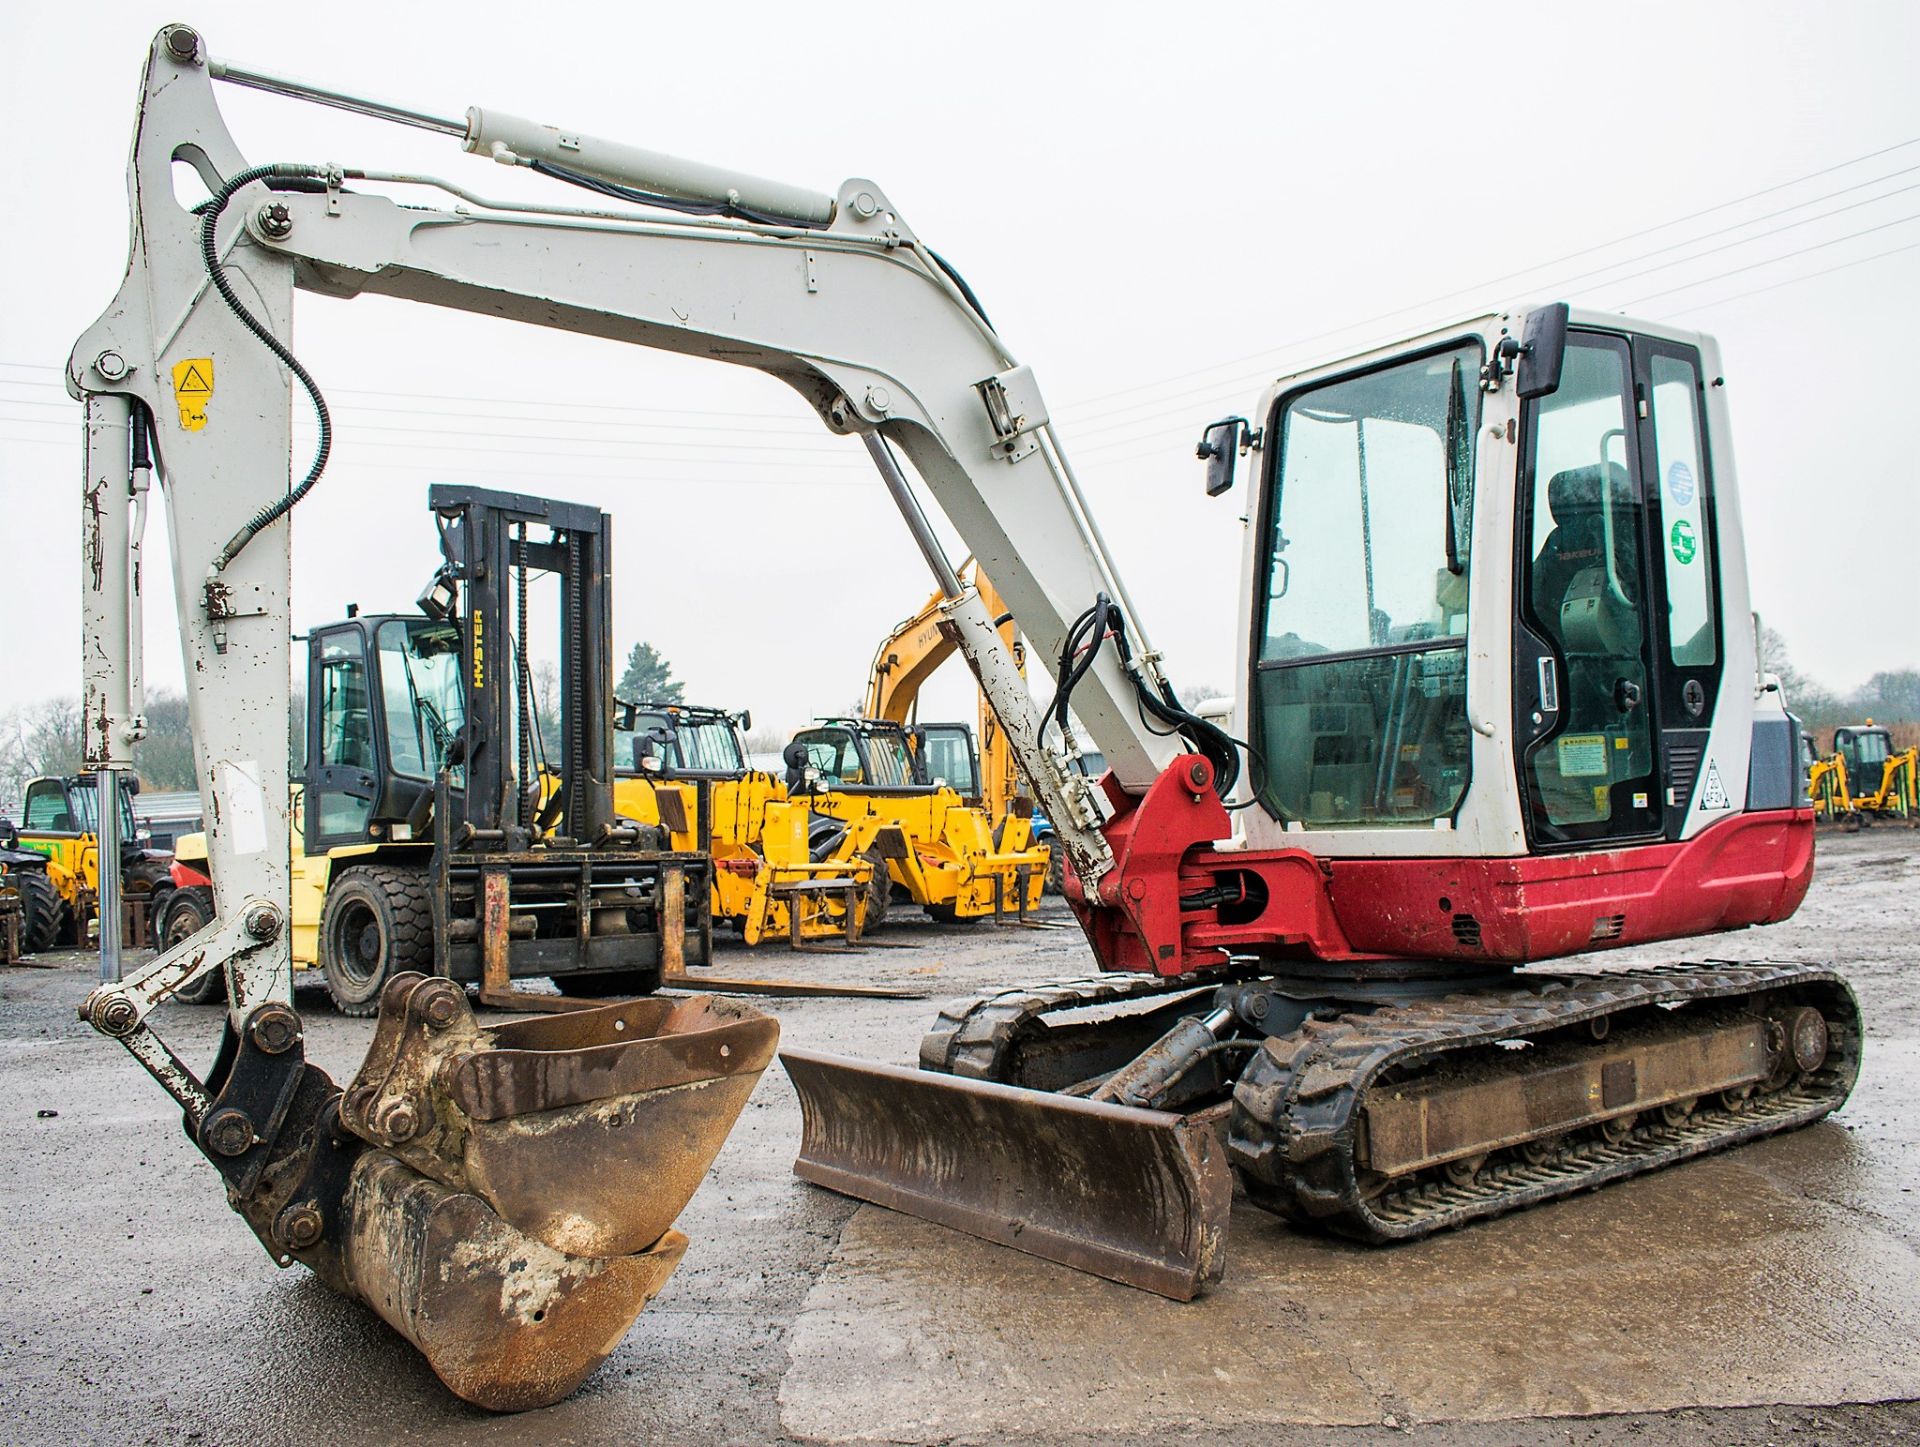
{"x": 942, "y": 852}
{"x": 684, "y": 769}
{"x": 59, "y": 818}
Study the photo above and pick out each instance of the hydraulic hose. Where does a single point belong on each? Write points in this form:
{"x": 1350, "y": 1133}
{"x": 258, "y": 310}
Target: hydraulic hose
{"x": 210, "y": 212}
{"x": 1103, "y": 621}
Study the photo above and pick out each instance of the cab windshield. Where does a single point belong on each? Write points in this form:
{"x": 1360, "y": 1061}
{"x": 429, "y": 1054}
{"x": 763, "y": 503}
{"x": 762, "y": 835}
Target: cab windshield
{"x": 837, "y": 754}
{"x": 708, "y": 746}
{"x": 1359, "y": 670}
{"x": 892, "y": 765}
{"x": 683, "y": 744}
{"x": 60, "y": 809}
{"x": 426, "y": 706}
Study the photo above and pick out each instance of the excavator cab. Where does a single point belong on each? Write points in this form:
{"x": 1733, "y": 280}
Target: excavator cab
{"x": 947, "y": 756}
{"x": 1865, "y": 749}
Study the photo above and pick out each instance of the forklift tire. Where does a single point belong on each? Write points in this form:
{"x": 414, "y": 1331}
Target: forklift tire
{"x": 378, "y": 922}
{"x": 185, "y": 913}
{"x": 41, "y": 910}
{"x": 1056, "y": 867}
{"x": 609, "y": 984}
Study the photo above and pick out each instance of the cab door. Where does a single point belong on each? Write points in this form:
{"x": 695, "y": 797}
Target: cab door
{"x": 1617, "y": 619}
{"x": 948, "y": 755}
{"x": 1678, "y": 496}
{"x": 343, "y": 764}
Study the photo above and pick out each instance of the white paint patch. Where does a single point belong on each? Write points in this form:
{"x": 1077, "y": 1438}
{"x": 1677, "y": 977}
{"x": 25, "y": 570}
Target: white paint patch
{"x": 246, "y": 803}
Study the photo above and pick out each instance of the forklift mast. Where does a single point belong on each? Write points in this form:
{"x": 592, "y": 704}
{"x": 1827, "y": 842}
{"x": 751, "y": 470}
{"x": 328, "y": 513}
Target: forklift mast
{"x": 491, "y": 546}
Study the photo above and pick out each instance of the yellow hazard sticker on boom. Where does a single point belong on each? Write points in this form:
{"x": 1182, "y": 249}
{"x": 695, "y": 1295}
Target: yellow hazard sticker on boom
{"x": 192, "y": 386}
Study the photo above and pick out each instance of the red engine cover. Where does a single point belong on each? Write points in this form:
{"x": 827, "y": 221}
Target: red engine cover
{"x": 1173, "y": 904}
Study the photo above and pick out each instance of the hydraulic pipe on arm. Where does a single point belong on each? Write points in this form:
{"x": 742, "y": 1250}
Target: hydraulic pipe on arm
{"x": 791, "y": 283}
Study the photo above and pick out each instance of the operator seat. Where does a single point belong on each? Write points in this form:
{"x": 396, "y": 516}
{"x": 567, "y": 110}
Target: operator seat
{"x": 1599, "y": 636}
{"x": 1578, "y": 540}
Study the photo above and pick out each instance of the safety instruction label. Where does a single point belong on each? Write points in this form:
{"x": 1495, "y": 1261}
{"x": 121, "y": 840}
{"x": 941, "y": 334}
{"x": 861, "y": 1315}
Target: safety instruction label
{"x": 1583, "y": 756}
{"x": 192, "y": 386}
{"x": 1683, "y": 542}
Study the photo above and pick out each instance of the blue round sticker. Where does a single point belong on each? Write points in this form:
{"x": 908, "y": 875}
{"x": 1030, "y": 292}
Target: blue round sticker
{"x": 1680, "y": 483}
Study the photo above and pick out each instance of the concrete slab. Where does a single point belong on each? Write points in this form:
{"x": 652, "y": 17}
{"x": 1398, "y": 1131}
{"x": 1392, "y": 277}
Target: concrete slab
{"x": 1783, "y": 1273}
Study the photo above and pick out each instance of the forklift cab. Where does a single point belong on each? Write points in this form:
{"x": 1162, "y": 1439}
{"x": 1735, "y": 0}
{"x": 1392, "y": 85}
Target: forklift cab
{"x": 385, "y": 709}
{"x": 946, "y": 754}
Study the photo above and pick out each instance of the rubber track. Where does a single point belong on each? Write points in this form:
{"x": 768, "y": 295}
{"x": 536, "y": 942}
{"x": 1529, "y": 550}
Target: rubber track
{"x": 1298, "y": 1105}
{"x": 972, "y": 1037}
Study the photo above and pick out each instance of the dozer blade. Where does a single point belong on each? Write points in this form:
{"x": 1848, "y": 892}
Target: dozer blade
{"x": 1137, "y": 1196}
{"x": 503, "y": 1196}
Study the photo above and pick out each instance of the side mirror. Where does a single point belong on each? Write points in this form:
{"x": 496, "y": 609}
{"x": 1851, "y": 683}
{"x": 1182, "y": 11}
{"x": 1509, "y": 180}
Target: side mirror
{"x": 1543, "y": 348}
{"x": 1220, "y": 448}
{"x": 745, "y": 719}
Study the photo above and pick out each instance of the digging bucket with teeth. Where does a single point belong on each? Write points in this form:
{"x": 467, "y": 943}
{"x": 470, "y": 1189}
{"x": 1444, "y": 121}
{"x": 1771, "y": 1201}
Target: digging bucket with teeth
{"x": 503, "y": 1196}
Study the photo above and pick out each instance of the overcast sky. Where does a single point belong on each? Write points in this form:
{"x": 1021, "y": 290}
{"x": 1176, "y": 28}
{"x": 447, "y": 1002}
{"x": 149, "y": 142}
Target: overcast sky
{"x": 1160, "y": 206}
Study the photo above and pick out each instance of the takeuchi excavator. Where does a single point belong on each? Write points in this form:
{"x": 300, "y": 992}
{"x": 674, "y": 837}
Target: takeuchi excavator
{"x": 1499, "y": 703}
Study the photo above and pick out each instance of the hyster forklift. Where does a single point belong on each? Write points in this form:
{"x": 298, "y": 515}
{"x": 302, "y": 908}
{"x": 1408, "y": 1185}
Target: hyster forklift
{"x": 1499, "y": 705}
{"x": 411, "y": 825}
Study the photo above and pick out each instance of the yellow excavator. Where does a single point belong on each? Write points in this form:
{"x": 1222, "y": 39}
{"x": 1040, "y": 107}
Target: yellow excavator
{"x": 686, "y": 770}
{"x": 1866, "y": 778}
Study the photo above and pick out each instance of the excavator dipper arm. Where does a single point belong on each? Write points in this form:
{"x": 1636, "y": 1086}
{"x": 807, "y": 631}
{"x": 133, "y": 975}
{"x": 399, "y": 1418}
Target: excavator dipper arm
{"x": 189, "y": 375}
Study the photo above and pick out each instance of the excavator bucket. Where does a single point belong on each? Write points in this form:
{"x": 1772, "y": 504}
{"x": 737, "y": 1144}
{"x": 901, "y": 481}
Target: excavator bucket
{"x": 503, "y": 1196}
{"x": 1137, "y": 1196}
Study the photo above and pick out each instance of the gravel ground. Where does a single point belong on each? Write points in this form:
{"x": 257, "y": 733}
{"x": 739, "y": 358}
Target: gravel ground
{"x": 142, "y": 1310}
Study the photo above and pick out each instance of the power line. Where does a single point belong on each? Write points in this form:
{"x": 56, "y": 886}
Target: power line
{"x": 1226, "y": 383}
{"x": 1793, "y": 280}
{"x": 1157, "y": 428}
{"x": 1476, "y": 287}
{"x": 1774, "y": 260}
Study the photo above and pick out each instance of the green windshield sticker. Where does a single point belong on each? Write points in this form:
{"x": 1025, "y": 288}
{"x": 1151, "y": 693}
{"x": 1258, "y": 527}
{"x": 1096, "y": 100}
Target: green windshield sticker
{"x": 1682, "y": 541}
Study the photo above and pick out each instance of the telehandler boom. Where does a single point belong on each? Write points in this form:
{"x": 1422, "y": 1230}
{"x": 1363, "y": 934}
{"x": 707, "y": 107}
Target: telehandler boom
{"x": 1500, "y": 705}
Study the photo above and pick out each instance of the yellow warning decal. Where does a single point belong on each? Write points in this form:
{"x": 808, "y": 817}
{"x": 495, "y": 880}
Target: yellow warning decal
{"x": 192, "y": 386}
